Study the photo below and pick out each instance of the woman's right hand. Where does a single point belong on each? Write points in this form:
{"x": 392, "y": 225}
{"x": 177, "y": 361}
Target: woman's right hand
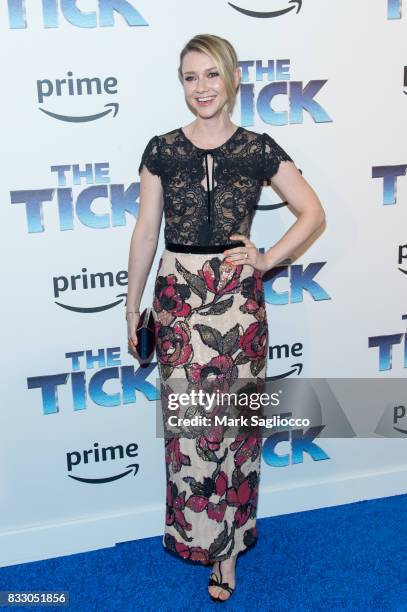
{"x": 132, "y": 322}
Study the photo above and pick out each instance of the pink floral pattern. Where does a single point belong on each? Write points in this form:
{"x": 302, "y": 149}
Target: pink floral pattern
{"x": 169, "y": 299}
{"x": 219, "y": 277}
{"x": 211, "y": 330}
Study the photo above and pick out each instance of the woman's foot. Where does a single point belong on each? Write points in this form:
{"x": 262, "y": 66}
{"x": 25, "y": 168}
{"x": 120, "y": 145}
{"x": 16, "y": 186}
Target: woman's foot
{"x": 223, "y": 572}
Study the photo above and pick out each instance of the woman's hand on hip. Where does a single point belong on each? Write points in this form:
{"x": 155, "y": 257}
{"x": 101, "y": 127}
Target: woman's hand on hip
{"x": 246, "y": 254}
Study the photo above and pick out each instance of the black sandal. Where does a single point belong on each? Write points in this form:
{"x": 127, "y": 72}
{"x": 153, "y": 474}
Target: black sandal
{"x": 218, "y": 583}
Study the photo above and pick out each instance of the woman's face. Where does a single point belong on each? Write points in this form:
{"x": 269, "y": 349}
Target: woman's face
{"x": 204, "y": 88}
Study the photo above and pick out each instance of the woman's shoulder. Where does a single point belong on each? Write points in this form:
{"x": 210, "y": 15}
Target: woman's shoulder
{"x": 251, "y": 133}
{"x": 259, "y": 136}
{"x": 267, "y": 144}
{"x": 250, "y": 137}
{"x": 168, "y": 137}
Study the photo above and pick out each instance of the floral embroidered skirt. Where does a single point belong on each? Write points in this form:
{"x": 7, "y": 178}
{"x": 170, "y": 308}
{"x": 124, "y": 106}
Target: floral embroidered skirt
{"x": 210, "y": 324}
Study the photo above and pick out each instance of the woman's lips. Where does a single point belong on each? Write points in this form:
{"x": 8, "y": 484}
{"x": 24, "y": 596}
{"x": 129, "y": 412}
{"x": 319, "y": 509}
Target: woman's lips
{"x": 205, "y": 100}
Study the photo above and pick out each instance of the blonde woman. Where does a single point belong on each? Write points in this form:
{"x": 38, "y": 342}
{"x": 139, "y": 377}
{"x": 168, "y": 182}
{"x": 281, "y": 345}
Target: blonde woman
{"x": 208, "y": 306}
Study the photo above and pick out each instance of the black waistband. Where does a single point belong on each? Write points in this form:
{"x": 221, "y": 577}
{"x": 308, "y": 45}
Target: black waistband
{"x": 204, "y": 249}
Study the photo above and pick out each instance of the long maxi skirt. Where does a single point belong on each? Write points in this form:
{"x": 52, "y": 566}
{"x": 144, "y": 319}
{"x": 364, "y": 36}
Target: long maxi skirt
{"x": 210, "y": 324}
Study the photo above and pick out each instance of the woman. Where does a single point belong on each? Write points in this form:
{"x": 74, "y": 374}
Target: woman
{"x": 209, "y": 306}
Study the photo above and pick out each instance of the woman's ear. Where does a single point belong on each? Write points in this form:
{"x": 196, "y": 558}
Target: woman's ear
{"x": 238, "y": 76}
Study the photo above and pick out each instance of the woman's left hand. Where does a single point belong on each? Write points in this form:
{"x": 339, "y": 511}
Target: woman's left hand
{"x": 247, "y": 254}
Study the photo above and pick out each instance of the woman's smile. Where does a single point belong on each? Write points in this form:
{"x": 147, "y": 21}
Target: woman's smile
{"x": 205, "y": 100}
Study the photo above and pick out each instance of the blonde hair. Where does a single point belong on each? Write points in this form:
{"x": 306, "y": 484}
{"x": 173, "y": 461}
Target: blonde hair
{"x": 224, "y": 55}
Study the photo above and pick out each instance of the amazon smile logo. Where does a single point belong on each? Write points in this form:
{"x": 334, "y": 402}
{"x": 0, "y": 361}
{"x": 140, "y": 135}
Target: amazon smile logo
{"x": 89, "y": 281}
{"x": 295, "y": 4}
{"x": 284, "y": 351}
{"x": 393, "y": 422}
{"x": 399, "y": 412}
{"x": 48, "y": 89}
{"x": 402, "y": 257}
{"x": 76, "y": 459}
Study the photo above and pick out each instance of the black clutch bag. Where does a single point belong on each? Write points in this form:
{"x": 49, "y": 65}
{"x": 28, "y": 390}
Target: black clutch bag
{"x": 145, "y": 335}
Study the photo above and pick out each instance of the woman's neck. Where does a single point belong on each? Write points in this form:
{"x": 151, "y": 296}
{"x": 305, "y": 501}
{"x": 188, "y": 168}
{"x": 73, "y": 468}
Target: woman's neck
{"x": 210, "y": 133}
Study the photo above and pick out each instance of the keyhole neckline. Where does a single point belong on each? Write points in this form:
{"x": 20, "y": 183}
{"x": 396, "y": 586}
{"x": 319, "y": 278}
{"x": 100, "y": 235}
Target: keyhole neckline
{"x": 238, "y": 129}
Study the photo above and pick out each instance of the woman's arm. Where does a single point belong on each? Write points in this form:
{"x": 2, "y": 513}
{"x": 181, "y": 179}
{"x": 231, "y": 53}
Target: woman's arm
{"x": 143, "y": 244}
{"x": 301, "y": 197}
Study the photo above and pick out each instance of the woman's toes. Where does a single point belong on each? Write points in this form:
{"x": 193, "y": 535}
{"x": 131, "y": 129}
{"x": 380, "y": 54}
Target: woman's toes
{"x": 224, "y": 595}
{"x": 214, "y": 591}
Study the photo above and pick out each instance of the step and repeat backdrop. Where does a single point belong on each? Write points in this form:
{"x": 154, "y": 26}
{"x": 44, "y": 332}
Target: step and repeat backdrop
{"x": 86, "y": 84}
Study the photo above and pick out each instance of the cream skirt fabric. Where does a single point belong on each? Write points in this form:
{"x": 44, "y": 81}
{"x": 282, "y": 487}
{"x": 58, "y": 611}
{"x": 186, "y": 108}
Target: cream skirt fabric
{"x": 211, "y": 326}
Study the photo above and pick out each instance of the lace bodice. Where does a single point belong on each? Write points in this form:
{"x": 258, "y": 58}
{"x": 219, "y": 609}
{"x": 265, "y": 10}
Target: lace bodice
{"x": 210, "y": 194}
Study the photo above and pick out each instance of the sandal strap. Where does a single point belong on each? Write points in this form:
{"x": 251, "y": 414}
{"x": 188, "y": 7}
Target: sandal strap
{"x": 214, "y": 581}
{"x": 226, "y": 587}
{"x": 223, "y": 585}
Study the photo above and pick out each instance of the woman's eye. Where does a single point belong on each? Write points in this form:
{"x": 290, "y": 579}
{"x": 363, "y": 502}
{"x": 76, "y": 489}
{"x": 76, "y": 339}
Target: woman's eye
{"x": 211, "y": 74}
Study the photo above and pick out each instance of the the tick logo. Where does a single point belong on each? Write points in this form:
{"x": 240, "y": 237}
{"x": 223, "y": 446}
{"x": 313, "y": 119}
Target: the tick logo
{"x": 390, "y": 175}
{"x": 78, "y": 186}
{"x": 387, "y": 344}
{"x": 394, "y": 9}
{"x": 265, "y": 79}
{"x": 53, "y": 10}
{"x": 267, "y": 14}
{"x": 85, "y": 379}
{"x": 312, "y": 400}
{"x": 299, "y": 279}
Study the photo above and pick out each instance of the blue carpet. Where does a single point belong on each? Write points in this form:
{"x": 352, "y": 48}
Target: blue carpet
{"x": 350, "y": 557}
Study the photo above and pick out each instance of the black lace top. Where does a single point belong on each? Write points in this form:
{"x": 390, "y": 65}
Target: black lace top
{"x": 203, "y": 212}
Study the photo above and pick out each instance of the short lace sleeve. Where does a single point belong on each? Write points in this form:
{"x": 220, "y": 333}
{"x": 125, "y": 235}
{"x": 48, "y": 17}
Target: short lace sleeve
{"x": 151, "y": 157}
{"x": 273, "y": 154}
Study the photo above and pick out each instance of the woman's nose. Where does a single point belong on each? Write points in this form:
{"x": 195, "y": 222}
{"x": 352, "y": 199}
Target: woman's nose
{"x": 202, "y": 84}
